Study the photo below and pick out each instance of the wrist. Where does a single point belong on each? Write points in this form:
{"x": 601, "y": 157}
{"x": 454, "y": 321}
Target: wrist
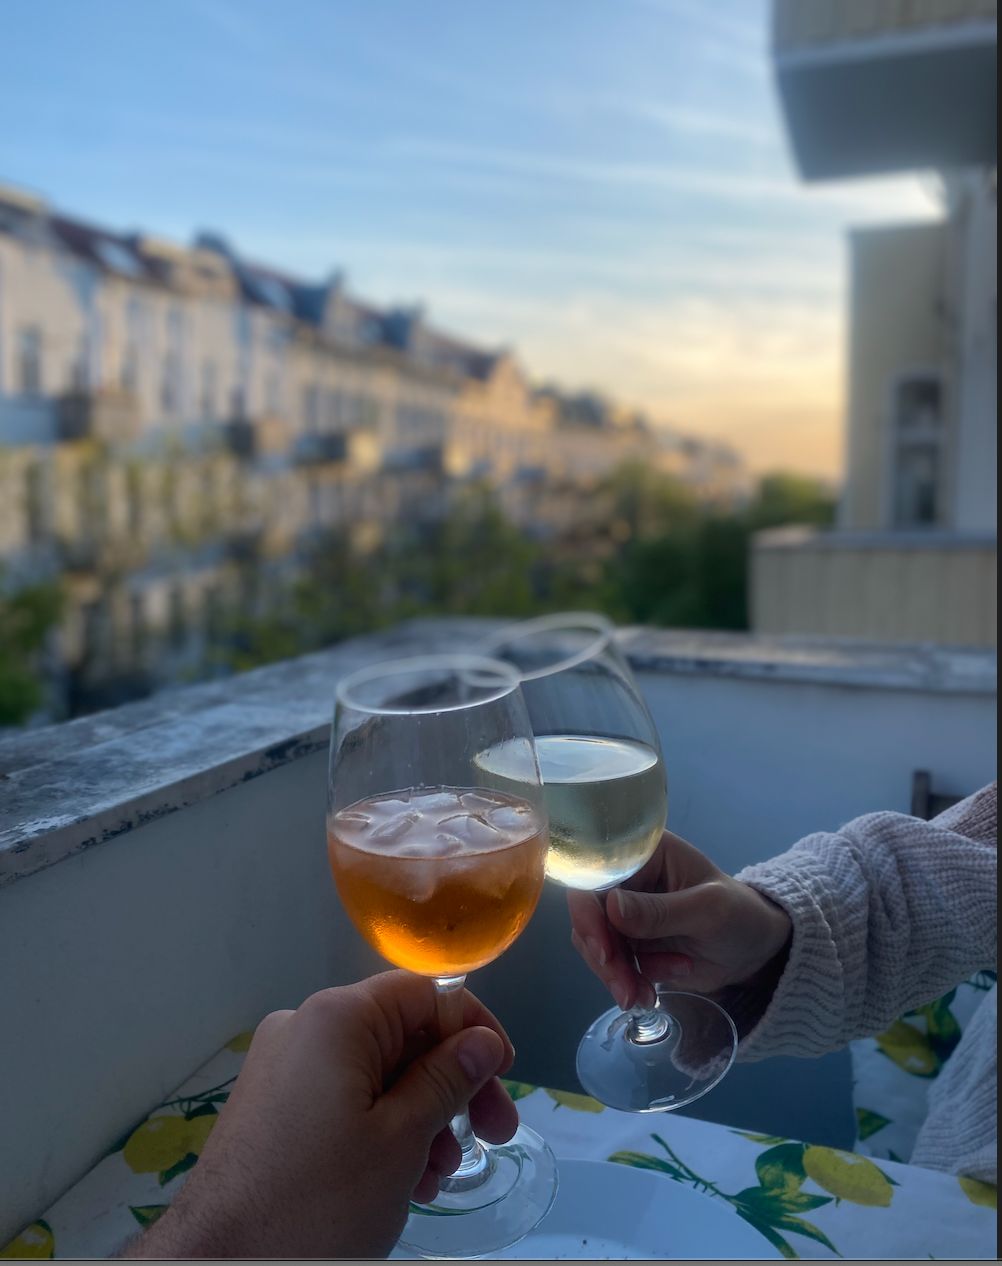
{"x": 773, "y": 934}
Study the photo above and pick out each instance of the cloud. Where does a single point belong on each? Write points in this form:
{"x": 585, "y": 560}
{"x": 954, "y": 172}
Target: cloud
{"x": 876, "y": 196}
{"x": 687, "y": 121}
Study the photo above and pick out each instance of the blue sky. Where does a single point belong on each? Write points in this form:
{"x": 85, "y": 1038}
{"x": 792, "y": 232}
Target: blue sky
{"x": 603, "y": 184}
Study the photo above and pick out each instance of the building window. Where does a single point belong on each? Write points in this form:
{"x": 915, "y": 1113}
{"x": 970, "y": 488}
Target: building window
{"x": 918, "y": 442}
{"x": 273, "y": 394}
{"x": 80, "y": 365}
{"x": 130, "y": 368}
{"x": 311, "y": 408}
{"x": 169, "y": 384}
{"x": 35, "y": 501}
{"x": 134, "y": 500}
{"x": 210, "y": 389}
{"x": 29, "y": 360}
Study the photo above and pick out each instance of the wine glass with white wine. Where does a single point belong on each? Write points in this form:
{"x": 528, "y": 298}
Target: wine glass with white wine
{"x": 605, "y": 792}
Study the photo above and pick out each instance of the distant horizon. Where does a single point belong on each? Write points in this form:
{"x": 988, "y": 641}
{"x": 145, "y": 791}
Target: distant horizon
{"x": 611, "y": 199}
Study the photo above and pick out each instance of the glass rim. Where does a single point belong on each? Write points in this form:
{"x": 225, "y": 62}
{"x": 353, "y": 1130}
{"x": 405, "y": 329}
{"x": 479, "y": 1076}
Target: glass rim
{"x": 510, "y": 683}
{"x": 601, "y": 625}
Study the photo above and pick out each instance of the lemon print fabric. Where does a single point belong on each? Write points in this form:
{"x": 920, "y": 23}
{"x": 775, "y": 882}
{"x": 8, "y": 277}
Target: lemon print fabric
{"x": 978, "y": 1192}
{"x": 34, "y": 1242}
{"x": 167, "y": 1145}
{"x": 848, "y": 1176}
{"x": 578, "y": 1103}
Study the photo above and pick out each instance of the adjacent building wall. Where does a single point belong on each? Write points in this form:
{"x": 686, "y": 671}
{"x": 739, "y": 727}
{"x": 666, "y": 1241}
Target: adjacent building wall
{"x": 897, "y": 324}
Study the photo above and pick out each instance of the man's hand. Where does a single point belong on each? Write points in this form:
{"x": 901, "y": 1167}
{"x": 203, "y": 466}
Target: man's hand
{"x": 692, "y": 927}
{"x": 339, "y": 1117}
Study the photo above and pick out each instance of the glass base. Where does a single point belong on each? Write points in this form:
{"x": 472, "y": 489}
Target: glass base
{"x": 657, "y": 1061}
{"x": 513, "y": 1199}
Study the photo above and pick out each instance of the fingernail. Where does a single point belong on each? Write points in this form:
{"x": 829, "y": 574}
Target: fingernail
{"x": 596, "y": 950}
{"x": 478, "y": 1054}
{"x": 621, "y": 996}
{"x": 627, "y": 904}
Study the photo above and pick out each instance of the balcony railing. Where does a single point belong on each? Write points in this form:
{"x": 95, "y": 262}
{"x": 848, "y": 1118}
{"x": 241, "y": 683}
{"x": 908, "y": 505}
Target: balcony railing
{"x": 256, "y": 437}
{"x": 887, "y": 85}
{"x": 106, "y": 415}
{"x": 799, "y": 24}
{"x": 890, "y": 586}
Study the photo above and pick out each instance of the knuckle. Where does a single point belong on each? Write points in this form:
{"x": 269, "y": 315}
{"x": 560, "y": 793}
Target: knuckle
{"x": 324, "y": 1007}
{"x": 715, "y": 901}
{"x": 271, "y": 1023}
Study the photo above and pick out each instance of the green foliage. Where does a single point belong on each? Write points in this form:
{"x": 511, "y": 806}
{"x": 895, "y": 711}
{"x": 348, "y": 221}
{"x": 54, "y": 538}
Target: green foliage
{"x": 642, "y": 547}
{"x": 785, "y": 498}
{"x": 648, "y": 551}
{"x": 27, "y": 615}
{"x": 773, "y": 1206}
{"x": 684, "y": 565}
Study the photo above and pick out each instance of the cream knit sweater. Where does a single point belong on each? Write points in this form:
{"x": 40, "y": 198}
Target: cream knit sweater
{"x": 888, "y": 913}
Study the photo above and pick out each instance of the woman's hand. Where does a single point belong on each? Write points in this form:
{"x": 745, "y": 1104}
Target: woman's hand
{"x": 692, "y": 927}
{"x": 338, "y": 1119}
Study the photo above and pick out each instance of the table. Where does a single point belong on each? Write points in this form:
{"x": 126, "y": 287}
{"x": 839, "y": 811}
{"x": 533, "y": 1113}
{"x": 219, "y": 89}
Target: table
{"x": 810, "y": 1201}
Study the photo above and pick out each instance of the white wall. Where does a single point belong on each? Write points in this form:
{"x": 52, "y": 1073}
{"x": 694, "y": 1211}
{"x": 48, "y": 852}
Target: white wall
{"x": 125, "y": 967}
{"x": 976, "y": 493}
{"x": 755, "y": 765}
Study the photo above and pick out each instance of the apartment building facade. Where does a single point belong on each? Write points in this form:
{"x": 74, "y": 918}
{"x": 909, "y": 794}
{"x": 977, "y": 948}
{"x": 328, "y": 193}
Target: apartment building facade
{"x": 178, "y": 426}
{"x": 885, "y": 86}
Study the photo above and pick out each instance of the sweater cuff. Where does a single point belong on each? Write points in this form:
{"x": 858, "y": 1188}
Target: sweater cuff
{"x": 805, "y": 1015}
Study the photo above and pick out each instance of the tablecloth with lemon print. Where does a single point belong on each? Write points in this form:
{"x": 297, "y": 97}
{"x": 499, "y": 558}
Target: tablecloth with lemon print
{"x": 808, "y": 1201}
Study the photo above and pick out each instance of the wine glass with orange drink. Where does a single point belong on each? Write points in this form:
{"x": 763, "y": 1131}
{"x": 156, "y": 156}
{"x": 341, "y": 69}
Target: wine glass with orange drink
{"x": 440, "y": 870}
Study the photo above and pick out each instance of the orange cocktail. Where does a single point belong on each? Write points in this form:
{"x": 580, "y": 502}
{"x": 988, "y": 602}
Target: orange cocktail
{"x": 439, "y": 880}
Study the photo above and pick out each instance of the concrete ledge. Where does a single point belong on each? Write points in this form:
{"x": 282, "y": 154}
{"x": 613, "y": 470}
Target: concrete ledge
{"x": 891, "y": 542}
{"x": 65, "y": 789}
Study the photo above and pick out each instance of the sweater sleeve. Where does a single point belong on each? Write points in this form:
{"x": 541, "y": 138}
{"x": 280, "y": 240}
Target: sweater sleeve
{"x": 887, "y": 913}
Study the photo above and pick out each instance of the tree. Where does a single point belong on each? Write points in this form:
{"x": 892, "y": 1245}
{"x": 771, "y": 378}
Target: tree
{"x": 784, "y": 498}
{"x": 27, "y": 615}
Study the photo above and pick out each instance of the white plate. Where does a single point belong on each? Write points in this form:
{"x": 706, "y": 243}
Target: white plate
{"x": 604, "y": 1210}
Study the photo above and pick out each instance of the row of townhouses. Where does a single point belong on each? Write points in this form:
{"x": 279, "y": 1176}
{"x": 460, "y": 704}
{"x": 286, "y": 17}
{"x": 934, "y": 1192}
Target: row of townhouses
{"x": 167, "y": 411}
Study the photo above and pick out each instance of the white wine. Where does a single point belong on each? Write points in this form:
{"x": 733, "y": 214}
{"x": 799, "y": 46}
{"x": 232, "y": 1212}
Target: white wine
{"x": 606, "y": 801}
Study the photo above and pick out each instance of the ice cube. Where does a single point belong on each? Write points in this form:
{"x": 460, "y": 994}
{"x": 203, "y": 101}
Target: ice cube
{"x": 357, "y": 821}
{"x": 433, "y": 802}
{"x": 393, "y": 830}
{"x": 513, "y": 819}
{"x": 422, "y": 879}
{"x": 390, "y": 804}
{"x": 480, "y": 833}
{"x": 447, "y": 844}
{"x": 478, "y": 801}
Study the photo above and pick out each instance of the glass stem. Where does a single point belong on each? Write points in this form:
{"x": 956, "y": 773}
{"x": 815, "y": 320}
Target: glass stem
{"x": 647, "y": 1024}
{"x": 477, "y": 1164}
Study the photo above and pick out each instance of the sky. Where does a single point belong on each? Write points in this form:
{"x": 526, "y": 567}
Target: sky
{"x": 603, "y": 185}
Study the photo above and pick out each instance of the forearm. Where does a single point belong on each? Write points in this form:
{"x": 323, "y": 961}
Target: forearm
{"x": 888, "y": 913}
{"x": 183, "y": 1234}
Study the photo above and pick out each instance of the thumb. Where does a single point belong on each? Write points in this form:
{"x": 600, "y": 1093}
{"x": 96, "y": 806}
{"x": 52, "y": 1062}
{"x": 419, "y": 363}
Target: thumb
{"x": 440, "y": 1084}
{"x": 648, "y": 916}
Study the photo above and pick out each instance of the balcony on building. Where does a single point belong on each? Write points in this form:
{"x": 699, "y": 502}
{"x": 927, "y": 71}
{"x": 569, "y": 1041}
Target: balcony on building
{"x": 925, "y": 587}
{"x": 356, "y": 449}
{"x": 883, "y": 86}
{"x": 887, "y": 85}
{"x": 164, "y": 883}
{"x": 107, "y": 415}
{"x": 254, "y": 438}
